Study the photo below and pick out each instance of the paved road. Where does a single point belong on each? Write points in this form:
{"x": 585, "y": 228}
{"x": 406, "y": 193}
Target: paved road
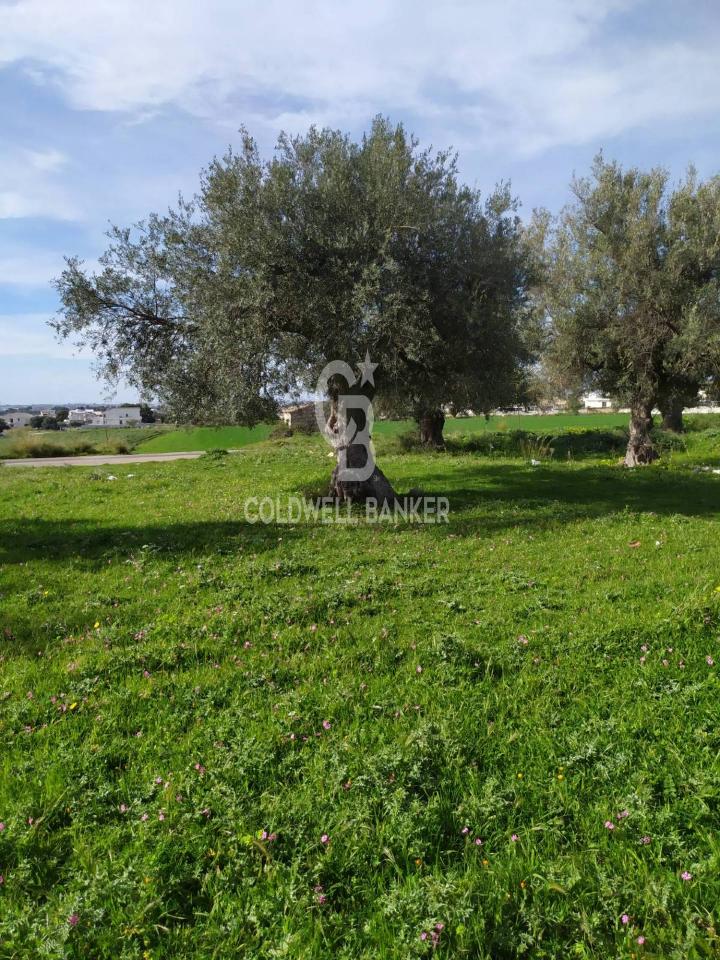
{"x": 98, "y": 460}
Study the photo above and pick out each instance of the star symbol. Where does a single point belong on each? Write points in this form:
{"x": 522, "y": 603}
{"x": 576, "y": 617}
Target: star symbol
{"x": 366, "y": 370}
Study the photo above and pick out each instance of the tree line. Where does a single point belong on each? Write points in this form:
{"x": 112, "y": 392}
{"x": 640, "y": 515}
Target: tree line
{"x": 334, "y": 248}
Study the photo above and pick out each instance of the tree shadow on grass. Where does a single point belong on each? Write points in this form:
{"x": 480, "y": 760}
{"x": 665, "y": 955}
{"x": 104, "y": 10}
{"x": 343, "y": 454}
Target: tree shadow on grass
{"x": 495, "y": 496}
{"x": 26, "y": 539}
{"x": 485, "y": 498}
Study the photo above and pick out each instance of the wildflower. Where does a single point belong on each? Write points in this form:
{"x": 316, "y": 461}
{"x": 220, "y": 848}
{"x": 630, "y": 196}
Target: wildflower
{"x": 325, "y": 839}
{"x": 465, "y": 831}
{"x": 519, "y": 776}
{"x": 709, "y": 661}
{"x": 625, "y": 919}
{"x": 97, "y": 624}
{"x": 640, "y": 940}
{"x": 144, "y": 817}
{"x": 623, "y": 814}
{"x": 2, "y": 826}
{"x": 609, "y": 825}
{"x": 424, "y": 935}
{"x": 200, "y": 768}
{"x": 206, "y": 812}
{"x": 644, "y": 648}
{"x": 561, "y": 776}
{"x": 514, "y": 837}
{"x": 247, "y": 645}
{"x": 478, "y": 842}
{"x": 123, "y": 808}
{"x": 418, "y": 669}
{"x": 158, "y": 780}
{"x": 523, "y": 640}
{"x": 73, "y": 919}
{"x": 321, "y": 898}
{"x": 642, "y": 660}
{"x": 30, "y": 821}
{"x": 439, "y": 927}
{"x": 161, "y": 816}
{"x": 485, "y": 862}
{"x": 2, "y": 879}
{"x": 665, "y": 663}
{"x": 146, "y": 674}
{"x": 646, "y": 840}
{"x": 686, "y": 875}
{"x": 326, "y": 724}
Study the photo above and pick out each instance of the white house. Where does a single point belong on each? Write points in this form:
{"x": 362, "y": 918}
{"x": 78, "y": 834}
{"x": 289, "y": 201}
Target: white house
{"x": 17, "y": 418}
{"x": 82, "y": 415}
{"x": 121, "y": 416}
{"x": 596, "y": 401}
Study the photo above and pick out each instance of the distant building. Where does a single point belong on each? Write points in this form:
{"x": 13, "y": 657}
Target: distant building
{"x": 121, "y": 416}
{"x": 83, "y": 415}
{"x": 596, "y": 401}
{"x": 17, "y": 418}
{"x": 299, "y": 416}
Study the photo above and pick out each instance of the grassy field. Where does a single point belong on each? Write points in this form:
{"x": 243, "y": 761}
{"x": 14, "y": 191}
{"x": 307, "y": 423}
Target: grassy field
{"x": 544, "y": 423}
{"x": 205, "y": 438}
{"x": 496, "y": 738}
{"x": 49, "y": 443}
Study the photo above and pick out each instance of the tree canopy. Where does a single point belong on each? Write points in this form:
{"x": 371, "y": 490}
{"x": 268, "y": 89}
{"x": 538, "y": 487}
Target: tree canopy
{"x": 328, "y": 250}
{"x": 631, "y": 289}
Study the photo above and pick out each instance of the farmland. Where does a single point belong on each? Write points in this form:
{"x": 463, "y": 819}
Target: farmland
{"x": 494, "y": 738}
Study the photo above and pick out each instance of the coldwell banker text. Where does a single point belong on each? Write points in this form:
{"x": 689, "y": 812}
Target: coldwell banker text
{"x": 417, "y": 509}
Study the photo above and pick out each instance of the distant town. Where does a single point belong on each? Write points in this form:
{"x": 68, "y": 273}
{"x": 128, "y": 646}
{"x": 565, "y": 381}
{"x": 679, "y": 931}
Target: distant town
{"x": 65, "y": 416}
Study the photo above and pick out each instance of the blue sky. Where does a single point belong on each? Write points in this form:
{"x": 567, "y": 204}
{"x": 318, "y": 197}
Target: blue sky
{"x": 108, "y": 110}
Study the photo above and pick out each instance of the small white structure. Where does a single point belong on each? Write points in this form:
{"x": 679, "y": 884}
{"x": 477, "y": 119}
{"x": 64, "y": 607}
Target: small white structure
{"x": 121, "y": 416}
{"x": 596, "y": 401}
{"x": 82, "y": 415}
{"x": 17, "y": 418}
{"x": 299, "y": 416}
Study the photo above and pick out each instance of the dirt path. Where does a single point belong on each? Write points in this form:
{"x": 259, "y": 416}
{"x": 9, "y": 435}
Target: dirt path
{"x": 100, "y": 459}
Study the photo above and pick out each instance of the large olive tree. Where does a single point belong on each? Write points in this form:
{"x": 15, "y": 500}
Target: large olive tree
{"x": 632, "y": 289}
{"x": 331, "y": 249}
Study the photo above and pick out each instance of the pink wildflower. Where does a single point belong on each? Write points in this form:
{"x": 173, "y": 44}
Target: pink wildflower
{"x": 465, "y": 831}
{"x": 625, "y": 919}
{"x": 326, "y": 724}
{"x": 640, "y": 940}
{"x": 325, "y": 839}
{"x": 514, "y": 838}
{"x": 73, "y": 919}
{"x": 144, "y": 817}
{"x": 123, "y": 808}
{"x": 686, "y": 875}
{"x": 609, "y": 825}
{"x": 709, "y": 661}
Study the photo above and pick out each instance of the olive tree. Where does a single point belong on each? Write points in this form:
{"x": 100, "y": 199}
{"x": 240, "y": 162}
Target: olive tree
{"x": 632, "y": 289}
{"x": 330, "y": 249}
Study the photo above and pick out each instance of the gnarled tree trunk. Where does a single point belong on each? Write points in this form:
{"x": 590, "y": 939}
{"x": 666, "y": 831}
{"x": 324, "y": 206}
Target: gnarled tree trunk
{"x": 672, "y": 414}
{"x": 355, "y": 456}
{"x": 376, "y": 487}
{"x": 431, "y": 428}
{"x": 640, "y": 449}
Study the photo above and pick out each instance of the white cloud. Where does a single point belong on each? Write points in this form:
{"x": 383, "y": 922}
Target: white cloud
{"x": 520, "y": 76}
{"x": 30, "y": 185}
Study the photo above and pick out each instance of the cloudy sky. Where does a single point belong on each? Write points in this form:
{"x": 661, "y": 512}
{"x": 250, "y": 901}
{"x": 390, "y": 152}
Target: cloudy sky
{"x": 108, "y": 109}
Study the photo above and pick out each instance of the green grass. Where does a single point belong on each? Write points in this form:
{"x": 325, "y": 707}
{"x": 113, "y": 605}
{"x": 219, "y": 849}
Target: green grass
{"x": 541, "y": 423}
{"x": 534, "y": 668}
{"x": 64, "y": 443}
{"x": 206, "y": 438}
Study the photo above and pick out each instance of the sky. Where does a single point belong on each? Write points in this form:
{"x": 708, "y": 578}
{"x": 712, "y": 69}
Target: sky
{"x": 108, "y": 110}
